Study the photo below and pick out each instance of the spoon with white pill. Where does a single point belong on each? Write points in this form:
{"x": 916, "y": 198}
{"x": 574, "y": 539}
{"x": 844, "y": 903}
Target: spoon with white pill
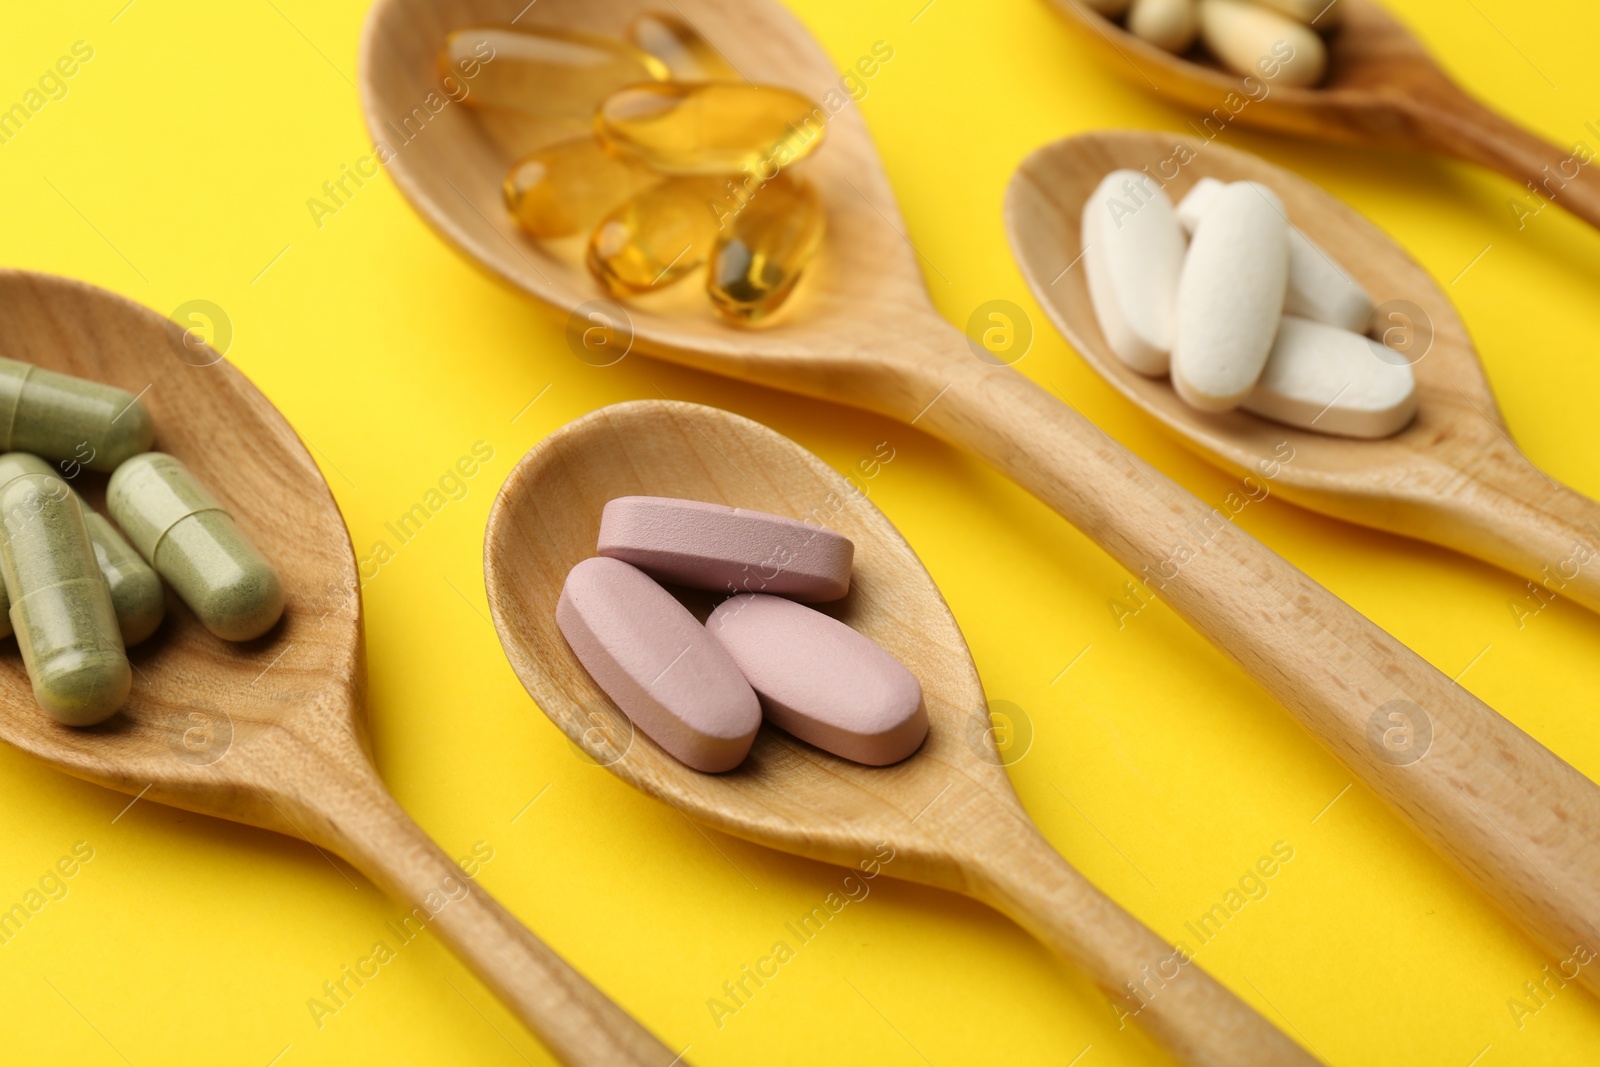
{"x": 1453, "y": 476}
{"x": 271, "y": 732}
{"x": 1513, "y": 816}
{"x": 946, "y": 816}
{"x": 1382, "y": 88}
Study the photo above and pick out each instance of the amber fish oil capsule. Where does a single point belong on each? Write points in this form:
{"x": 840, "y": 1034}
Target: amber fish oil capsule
{"x": 61, "y": 417}
{"x": 710, "y": 127}
{"x": 136, "y": 591}
{"x": 192, "y": 542}
{"x": 658, "y": 236}
{"x": 763, "y": 250}
{"x": 60, "y": 607}
{"x": 689, "y": 56}
{"x": 553, "y": 73}
{"x": 565, "y": 189}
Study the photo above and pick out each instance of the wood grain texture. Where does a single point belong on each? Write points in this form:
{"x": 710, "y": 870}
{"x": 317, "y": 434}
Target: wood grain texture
{"x": 1453, "y": 477}
{"x": 1522, "y": 823}
{"x": 1382, "y": 88}
{"x": 948, "y": 813}
{"x": 270, "y": 732}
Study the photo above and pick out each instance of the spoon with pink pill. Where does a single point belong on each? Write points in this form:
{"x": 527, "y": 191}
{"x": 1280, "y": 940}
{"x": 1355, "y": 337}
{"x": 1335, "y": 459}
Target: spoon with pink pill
{"x": 1452, "y": 476}
{"x": 948, "y": 812}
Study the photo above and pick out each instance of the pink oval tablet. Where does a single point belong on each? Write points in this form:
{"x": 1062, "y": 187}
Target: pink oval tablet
{"x": 822, "y": 681}
{"x": 727, "y": 550}
{"x": 658, "y": 663}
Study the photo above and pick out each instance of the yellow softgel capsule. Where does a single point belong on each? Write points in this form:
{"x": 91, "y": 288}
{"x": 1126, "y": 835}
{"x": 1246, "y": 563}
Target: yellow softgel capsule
{"x": 547, "y": 72}
{"x": 763, "y": 250}
{"x": 689, "y": 56}
{"x": 567, "y": 188}
{"x": 658, "y": 236}
{"x": 710, "y": 127}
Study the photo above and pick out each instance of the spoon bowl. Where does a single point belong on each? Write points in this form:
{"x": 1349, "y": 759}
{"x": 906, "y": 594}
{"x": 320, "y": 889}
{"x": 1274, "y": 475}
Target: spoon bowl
{"x": 1453, "y": 476}
{"x": 863, "y": 331}
{"x": 270, "y": 732}
{"x": 946, "y": 816}
{"x": 1382, "y": 88}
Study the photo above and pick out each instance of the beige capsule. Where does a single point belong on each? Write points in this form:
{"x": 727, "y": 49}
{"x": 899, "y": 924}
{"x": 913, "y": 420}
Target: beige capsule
{"x": 60, "y": 607}
{"x": 1254, "y": 40}
{"x": 192, "y": 542}
{"x": 1168, "y": 24}
{"x": 136, "y": 591}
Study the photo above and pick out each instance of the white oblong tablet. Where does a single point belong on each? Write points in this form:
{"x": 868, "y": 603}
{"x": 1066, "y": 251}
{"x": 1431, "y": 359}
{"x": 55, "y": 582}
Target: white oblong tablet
{"x": 1319, "y": 287}
{"x": 1322, "y": 378}
{"x": 667, "y": 674}
{"x": 822, "y": 681}
{"x": 1168, "y": 24}
{"x": 1255, "y": 40}
{"x": 1230, "y": 297}
{"x": 1133, "y": 253}
{"x": 726, "y": 550}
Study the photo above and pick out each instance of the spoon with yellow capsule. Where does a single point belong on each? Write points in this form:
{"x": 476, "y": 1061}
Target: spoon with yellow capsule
{"x": 946, "y": 816}
{"x": 1381, "y": 88}
{"x": 271, "y": 732}
{"x": 1515, "y": 818}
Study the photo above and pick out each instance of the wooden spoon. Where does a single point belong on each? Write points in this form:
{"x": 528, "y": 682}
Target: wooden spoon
{"x": 271, "y": 732}
{"x": 1382, "y": 88}
{"x": 1516, "y": 819}
{"x": 1454, "y": 476}
{"x": 947, "y": 816}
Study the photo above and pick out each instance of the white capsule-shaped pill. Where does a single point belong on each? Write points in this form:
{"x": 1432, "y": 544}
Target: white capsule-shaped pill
{"x": 1133, "y": 255}
{"x": 1319, "y": 288}
{"x": 658, "y": 664}
{"x": 1322, "y": 378}
{"x": 1168, "y": 24}
{"x": 1318, "y": 14}
{"x": 1257, "y": 41}
{"x": 822, "y": 681}
{"x": 1230, "y": 297}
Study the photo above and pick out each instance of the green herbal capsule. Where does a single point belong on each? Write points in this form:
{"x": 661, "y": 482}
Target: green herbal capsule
{"x": 61, "y": 608}
{"x": 136, "y": 591}
{"x": 178, "y": 526}
{"x": 58, "y": 416}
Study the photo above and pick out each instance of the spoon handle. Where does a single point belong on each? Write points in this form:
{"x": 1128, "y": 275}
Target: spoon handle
{"x": 1508, "y": 512}
{"x": 575, "y": 1021}
{"x": 1449, "y": 121}
{"x": 1149, "y": 982}
{"x": 1518, "y": 821}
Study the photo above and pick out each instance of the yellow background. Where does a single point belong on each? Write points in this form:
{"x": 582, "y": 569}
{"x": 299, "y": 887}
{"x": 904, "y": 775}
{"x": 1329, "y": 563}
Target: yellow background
{"x": 178, "y": 167}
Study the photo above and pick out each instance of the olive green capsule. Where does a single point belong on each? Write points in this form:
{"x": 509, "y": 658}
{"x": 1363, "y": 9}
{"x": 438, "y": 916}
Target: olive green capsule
{"x": 61, "y": 417}
{"x": 60, "y": 607}
{"x": 136, "y": 591}
{"x": 178, "y": 526}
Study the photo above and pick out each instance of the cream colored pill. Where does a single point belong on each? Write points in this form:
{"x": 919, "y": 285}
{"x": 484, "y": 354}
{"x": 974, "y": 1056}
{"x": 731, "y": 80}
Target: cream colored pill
{"x": 1333, "y": 381}
{"x": 726, "y": 550}
{"x": 658, "y": 664}
{"x": 1133, "y": 255}
{"x": 60, "y": 606}
{"x": 1320, "y": 14}
{"x": 1319, "y": 288}
{"x": 1230, "y": 297}
{"x": 1255, "y": 40}
{"x": 186, "y": 535}
{"x": 1168, "y": 24}
{"x": 822, "y": 681}
{"x": 136, "y": 592}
